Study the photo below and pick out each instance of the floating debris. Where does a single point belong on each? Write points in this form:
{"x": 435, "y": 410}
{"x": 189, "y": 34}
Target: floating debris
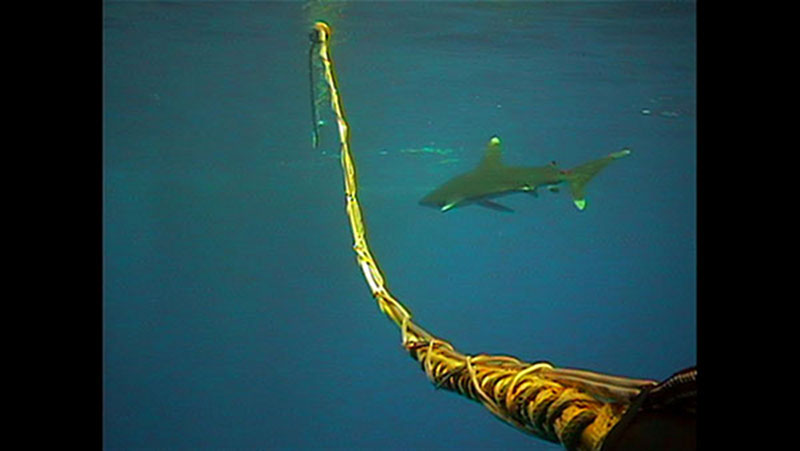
{"x": 671, "y": 114}
{"x": 667, "y": 106}
{"x": 427, "y": 150}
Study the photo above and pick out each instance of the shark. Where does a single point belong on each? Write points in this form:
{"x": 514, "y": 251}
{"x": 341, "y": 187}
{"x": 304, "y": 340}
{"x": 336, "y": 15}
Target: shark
{"x": 492, "y": 178}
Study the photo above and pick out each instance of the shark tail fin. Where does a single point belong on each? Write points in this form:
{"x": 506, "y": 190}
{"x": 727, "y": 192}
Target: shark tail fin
{"x": 579, "y": 176}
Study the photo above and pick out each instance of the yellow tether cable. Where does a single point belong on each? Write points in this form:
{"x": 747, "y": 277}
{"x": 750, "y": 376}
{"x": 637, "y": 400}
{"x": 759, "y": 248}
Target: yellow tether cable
{"x": 576, "y": 408}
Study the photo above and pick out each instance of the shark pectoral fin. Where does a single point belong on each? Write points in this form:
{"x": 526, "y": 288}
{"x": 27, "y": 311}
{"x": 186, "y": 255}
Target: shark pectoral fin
{"x": 494, "y": 206}
{"x": 448, "y": 206}
{"x": 580, "y": 203}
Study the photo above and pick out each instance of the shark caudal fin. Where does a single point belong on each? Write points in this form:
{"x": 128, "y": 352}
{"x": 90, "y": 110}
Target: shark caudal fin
{"x": 579, "y": 176}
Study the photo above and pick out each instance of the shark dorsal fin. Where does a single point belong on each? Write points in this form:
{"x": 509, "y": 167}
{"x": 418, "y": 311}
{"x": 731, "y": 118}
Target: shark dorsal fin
{"x": 493, "y": 154}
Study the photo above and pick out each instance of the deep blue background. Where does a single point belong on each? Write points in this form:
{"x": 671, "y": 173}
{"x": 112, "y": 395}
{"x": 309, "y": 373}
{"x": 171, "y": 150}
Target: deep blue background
{"x": 234, "y": 313}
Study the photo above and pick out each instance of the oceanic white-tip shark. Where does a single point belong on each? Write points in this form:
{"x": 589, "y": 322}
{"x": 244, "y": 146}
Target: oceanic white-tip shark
{"x": 491, "y": 178}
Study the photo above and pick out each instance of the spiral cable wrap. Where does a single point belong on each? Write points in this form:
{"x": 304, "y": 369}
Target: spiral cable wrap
{"x": 519, "y": 393}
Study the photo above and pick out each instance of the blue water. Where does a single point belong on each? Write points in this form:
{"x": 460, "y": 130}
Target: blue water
{"x": 235, "y": 316}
